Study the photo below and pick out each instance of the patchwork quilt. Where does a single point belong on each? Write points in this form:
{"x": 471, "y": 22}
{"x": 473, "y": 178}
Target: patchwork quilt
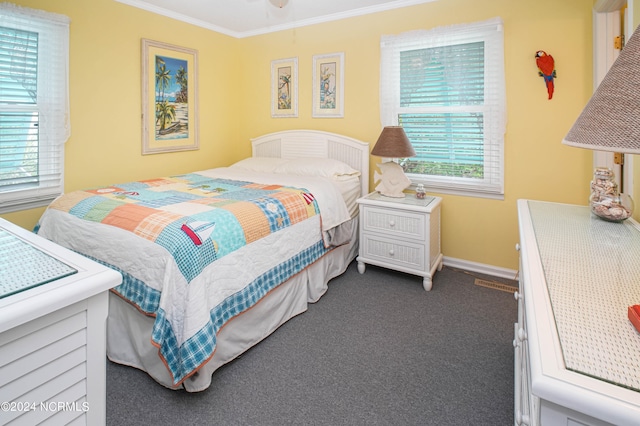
{"x": 166, "y": 236}
{"x": 195, "y": 218}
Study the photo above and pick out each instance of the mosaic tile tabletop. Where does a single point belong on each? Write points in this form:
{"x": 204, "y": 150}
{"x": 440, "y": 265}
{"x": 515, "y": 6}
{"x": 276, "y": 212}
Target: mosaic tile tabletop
{"x": 592, "y": 269}
{"x": 22, "y": 266}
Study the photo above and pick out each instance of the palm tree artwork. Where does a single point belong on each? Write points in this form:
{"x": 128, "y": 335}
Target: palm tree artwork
{"x": 171, "y": 98}
{"x": 284, "y": 83}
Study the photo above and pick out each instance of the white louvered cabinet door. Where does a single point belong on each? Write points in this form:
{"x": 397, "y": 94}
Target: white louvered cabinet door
{"x": 52, "y": 335}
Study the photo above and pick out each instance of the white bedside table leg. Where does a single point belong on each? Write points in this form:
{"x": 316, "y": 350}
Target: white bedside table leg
{"x": 427, "y": 283}
{"x": 361, "y": 267}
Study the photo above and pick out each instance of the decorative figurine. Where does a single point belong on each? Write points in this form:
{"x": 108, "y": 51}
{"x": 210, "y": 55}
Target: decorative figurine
{"x": 546, "y": 69}
{"x": 392, "y": 180}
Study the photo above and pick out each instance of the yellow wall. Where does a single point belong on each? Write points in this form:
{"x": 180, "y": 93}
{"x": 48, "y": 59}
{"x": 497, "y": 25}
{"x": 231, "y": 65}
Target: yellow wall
{"x": 105, "y": 95}
{"x": 536, "y": 164}
{"x": 235, "y": 100}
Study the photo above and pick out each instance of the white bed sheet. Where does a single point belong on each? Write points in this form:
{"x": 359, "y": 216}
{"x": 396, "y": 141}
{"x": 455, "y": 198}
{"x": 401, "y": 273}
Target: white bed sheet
{"x": 350, "y": 188}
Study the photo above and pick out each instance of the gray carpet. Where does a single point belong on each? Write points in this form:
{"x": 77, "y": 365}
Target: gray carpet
{"x": 375, "y": 350}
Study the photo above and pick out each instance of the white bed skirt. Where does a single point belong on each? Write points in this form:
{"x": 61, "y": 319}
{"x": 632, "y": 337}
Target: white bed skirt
{"x": 129, "y": 331}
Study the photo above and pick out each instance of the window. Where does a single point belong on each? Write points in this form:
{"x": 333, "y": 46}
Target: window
{"x": 34, "y": 107}
{"x": 445, "y": 87}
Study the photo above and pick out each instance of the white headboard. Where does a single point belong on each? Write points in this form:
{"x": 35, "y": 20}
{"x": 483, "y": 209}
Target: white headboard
{"x": 315, "y": 143}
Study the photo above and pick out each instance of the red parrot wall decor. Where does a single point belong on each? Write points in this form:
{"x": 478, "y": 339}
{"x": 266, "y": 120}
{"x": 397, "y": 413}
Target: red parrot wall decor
{"x": 546, "y": 69}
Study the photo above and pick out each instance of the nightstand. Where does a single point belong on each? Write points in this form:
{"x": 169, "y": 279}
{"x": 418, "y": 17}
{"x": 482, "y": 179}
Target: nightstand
{"x": 401, "y": 234}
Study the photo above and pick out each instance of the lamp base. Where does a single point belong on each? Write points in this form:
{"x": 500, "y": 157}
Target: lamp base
{"x": 393, "y": 181}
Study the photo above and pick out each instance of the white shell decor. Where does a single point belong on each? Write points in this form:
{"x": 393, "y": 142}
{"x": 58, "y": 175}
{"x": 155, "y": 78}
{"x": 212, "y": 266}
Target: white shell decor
{"x": 392, "y": 180}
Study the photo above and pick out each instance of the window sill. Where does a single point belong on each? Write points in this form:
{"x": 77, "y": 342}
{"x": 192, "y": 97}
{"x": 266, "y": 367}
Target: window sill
{"x": 26, "y": 205}
{"x": 430, "y": 188}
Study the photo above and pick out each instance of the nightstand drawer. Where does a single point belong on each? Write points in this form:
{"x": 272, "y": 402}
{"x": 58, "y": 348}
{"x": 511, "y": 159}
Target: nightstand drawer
{"x": 397, "y": 224}
{"x": 389, "y": 251}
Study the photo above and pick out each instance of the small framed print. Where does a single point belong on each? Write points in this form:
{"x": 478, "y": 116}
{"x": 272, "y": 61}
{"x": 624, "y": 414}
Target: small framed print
{"x": 284, "y": 88}
{"x": 328, "y": 85}
{"x": 169, "y": 98}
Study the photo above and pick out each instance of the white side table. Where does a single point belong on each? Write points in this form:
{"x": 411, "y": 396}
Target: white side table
{"x": 401, "y": 234}
{"x": 53, "y": 308}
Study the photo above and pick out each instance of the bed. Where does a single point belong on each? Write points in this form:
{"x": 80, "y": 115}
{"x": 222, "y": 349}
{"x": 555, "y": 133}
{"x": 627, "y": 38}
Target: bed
{"x": 216, "y": 260}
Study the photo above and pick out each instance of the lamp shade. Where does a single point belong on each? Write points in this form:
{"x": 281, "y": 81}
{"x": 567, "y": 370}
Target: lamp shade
{"x": 393, "y": 143}
{"x": 611, "y": 119}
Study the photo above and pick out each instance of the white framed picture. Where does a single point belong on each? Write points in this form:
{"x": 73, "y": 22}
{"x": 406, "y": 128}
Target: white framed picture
{"x": 169, "y": 98}
{"x": 284, "y": 88}
{"x": 328, "y": 85}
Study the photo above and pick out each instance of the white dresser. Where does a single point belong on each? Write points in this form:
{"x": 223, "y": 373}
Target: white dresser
{"x": 401, "y": 234}
{"x": 52, "y": 334}
{"x": 577, "y": 356}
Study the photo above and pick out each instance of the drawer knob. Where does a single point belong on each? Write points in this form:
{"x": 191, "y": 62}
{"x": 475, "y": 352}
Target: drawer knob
{"x": 392, "y": 223}
{"x": 391, "y": 252}
{"x": 517, "y": 295}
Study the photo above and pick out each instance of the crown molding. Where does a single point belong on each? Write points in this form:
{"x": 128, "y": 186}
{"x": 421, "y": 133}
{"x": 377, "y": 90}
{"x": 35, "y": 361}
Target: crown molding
{"x": 270, "y": 29}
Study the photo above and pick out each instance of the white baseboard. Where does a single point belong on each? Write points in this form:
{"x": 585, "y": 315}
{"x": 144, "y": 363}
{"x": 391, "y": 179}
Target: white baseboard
{"x": 480, "y": 268}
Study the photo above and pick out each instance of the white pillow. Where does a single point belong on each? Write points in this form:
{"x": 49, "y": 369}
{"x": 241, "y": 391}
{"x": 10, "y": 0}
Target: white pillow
{"x": 259, "y": 164}
{"x": 325, "y": 167}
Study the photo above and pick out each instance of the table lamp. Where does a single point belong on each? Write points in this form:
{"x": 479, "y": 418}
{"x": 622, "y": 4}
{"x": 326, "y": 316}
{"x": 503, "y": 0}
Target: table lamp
{"x": 611, "y": 122}
{"x": 392, "y": 143}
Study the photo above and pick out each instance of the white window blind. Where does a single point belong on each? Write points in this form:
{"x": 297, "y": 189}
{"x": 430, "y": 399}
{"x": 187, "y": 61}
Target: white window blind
{"x": 446, "y": 88}
{"x": 34, "y": 106}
